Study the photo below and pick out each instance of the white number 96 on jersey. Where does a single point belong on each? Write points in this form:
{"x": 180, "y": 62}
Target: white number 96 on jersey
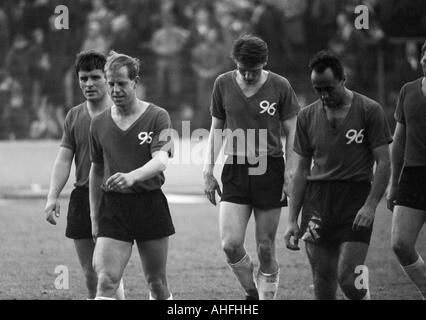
{"x": 145, "y": 137}
{"x": 267, "y": 107}
{"x": 355, "y": 136}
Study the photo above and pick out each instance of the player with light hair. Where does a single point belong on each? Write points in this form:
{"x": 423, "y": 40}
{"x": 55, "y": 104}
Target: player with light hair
{"x": 130, "y": 146}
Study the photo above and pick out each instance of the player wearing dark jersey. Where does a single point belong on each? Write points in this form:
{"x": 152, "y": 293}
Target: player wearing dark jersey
{"x": 89, "y": 67}
{"x": 130, "y": 145}
{"x": 408, "y": 179}
{"x": 253, "y": 105}
{"x": 338, "y": 139}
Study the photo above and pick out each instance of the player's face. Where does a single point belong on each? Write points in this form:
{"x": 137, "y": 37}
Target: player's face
{"x": 250, "y": 75}
{"x": 120, "y": 87}
{"x": 92, "y": 84}
{"x": 331, "y": 91}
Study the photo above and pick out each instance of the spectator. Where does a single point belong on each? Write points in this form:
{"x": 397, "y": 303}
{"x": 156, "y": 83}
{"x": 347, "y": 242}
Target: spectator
{"x": 14, "y": 118}
{"x": 4, "y": 36}
{"x": 102, "y": 15}
{"x": 209, "y": 59}
{"x": 95, "y": 39}
{"x": 349, "y": 45}
{"x": 168, "y": 43}
{"x": 268, "y": 24}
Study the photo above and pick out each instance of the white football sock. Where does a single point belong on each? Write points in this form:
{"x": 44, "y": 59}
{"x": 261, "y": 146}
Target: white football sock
{"x": 267, "y": 285}
{"x": 417, "y": 273}
{"x": 119, "y": 294}
{"x": 244, "y": 271}
{"x": 152, "y": 298}
{"x": 104, "y": 298}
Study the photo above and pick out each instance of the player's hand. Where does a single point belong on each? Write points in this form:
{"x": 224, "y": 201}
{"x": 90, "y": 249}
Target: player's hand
{"x": 364, "y": 218}
{"x": 391, "y": 197}
{"x": 119, "y": 181}
{"x": 291, "y": 236}
{"x": 52, "y": 210}
{"x": 210, "y": 187}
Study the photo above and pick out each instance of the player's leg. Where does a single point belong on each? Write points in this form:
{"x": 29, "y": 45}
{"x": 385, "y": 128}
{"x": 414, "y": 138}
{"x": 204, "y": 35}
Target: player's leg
{"x": 153, "y": 254}
{"x": 268, "y": 275}
{"x": 350, "y": 266}
{"x": 85, "y": 248}
{"x": 233, "y": 220}
{"x": 323, "y": 260}
{"x": 109, "y": 260}
{"x": 406, "y": 225}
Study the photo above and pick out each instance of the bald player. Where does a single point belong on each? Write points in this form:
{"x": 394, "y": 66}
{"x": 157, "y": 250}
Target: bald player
{"x": 338, "y": 140}
{"x": 89, "y": 67}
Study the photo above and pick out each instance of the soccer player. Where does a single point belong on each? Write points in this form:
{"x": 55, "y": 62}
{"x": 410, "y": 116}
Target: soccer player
{"x": 338, "y": 139}
{"x": 130, "y": 145}
{"x": 89, "y": 67}
{"x": 253, "y": 104}
{"x": 408, "y": 177}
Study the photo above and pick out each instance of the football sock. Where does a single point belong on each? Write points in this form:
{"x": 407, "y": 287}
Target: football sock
{"x": 243, "y": 270}
{"x": 267, "y": 284}
{"x": 417, "y": 273}
{"x": 152, "y": 298}
{"x": 119, "y": 294}
{"x": 104, "y": 298}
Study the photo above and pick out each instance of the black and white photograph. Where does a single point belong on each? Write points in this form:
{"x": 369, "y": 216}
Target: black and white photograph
{"x": 212, "y": 150}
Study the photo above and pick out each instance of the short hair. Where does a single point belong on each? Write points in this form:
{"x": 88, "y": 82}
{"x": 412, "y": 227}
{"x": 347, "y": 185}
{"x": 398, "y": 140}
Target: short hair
{"x": 326, "y": 59}
{"x": 89, "y": 60}
{"x": 117, "y": 60}
{"x": 250, "y": 50}
{"x": 423, "y": 49}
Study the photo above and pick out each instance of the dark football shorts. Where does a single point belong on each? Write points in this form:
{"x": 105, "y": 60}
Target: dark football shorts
{"x": 412, "y": 188}
{"x": 329, "y": 210}
{"x": 79, "y": 225}
{"x": 260, "y": 191}
{"x": 134, "y": 216}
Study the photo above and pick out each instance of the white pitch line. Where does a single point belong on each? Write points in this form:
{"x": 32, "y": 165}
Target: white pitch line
{"x": 185, "y": 199}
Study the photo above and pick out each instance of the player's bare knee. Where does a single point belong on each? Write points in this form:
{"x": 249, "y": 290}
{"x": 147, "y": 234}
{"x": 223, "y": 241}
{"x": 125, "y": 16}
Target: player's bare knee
{"x": 108, "y": 280}
{"x": 347, "y": 282}
{"x": 401, "y": 247}
{"x": 265, "y": 251}
{"x": 231, "y": 248}
{"x": 157, "y": 282}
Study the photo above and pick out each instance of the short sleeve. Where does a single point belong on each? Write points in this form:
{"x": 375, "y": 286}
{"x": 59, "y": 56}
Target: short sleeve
{"x": 289, "y": 106}
{"x": 96, "y": 153}
{"x": 301, "y": 139}
{"x": 162, "y": 137}
{"x": 399, "y": 111}
{"x": 68, "y": 139}
{"x": 216, "y": 106}
{"x": 378, "y": 131}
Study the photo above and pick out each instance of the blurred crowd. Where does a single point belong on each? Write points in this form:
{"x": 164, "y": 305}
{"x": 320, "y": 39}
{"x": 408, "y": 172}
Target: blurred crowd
{"x": 184, "y": 45}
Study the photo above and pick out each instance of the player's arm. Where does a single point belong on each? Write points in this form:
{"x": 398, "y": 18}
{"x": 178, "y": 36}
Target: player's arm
{"x": 214, "y": 144}
{"x": 289, "y": 127}
{"x": 120, "y": 181}
{"x": 397, "y": 161}
{"x": 58, "y": 179}
{"x": 301, "y": 170}
{"x": 95, "y": 192}
{"x": 365, "y": 215}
